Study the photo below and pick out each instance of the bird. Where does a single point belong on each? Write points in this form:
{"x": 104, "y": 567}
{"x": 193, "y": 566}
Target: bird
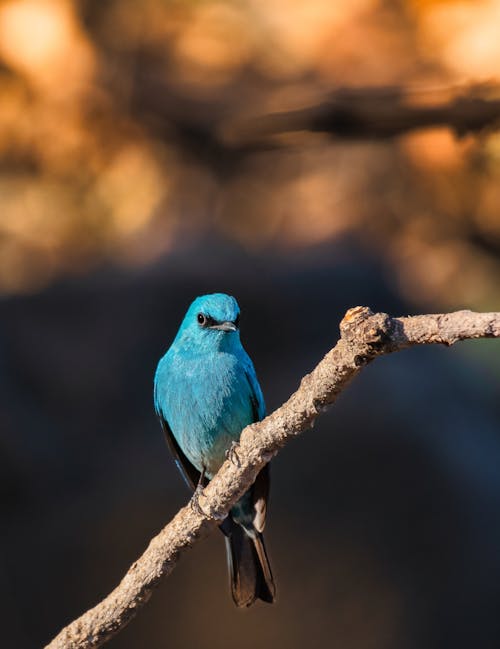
{"x": 205, "y": 392}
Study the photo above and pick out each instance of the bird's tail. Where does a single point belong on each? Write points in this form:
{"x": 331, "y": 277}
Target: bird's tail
{"x": 249, "y": 569}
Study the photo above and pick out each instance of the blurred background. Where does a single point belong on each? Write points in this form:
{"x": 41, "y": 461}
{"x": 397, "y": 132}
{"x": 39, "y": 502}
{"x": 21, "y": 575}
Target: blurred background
{"x": 124, "y": 193}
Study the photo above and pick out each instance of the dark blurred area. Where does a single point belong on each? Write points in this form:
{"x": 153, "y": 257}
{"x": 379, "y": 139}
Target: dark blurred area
{"x": 121, "y": 200}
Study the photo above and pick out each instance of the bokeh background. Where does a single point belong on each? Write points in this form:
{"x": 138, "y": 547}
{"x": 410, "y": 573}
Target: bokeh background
{"x": 122, "y": 198}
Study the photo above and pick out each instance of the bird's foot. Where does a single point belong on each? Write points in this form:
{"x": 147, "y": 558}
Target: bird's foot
{"x": 198, "y": 509}
{"x": 195, "y": 500}
{"x": 232, "y": 454}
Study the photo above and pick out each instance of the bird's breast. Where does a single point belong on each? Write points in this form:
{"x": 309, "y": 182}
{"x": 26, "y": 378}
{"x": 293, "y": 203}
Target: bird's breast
{"x": 206, "y": 401}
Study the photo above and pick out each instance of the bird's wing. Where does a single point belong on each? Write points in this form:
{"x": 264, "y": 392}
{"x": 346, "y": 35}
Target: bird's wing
{"x": 190, "y": 473}
{"x": 256, "y": 396}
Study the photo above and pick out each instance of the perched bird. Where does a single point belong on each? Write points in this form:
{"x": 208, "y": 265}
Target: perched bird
{"x": 205, "y": 392}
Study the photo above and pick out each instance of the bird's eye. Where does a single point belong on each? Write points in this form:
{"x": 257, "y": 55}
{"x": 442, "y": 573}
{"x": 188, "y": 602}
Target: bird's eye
{"x": 237, "y": 321}
{"x": 201, "y": 319}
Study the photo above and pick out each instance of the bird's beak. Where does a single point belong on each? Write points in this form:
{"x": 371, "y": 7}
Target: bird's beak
{"x": 225, "y": 326}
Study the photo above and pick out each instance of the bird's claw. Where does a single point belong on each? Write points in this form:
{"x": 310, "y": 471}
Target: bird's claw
{"x": 195, "y": 500}
{"x": 232, "y": 454}
{"x": 198, "y": 509}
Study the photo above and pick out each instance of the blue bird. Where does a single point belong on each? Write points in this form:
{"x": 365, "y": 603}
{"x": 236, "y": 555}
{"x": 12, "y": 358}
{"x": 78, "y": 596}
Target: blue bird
{"x": 205, "y": 392}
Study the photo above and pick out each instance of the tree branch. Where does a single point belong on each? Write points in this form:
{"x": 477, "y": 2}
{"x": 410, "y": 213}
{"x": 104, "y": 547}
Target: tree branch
{"x": 364, "y": 336}
{"x": 377, "y": 113}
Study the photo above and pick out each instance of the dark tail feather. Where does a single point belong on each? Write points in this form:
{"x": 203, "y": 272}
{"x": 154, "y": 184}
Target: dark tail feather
{"x": 249, "y": 569}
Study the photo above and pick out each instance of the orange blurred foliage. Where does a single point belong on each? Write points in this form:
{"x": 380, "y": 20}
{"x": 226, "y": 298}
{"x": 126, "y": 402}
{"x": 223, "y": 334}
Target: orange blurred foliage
{"x": 109, "y": 116}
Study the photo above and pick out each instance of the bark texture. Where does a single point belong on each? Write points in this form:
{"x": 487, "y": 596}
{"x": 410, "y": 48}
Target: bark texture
{"x": 364, "y": 336}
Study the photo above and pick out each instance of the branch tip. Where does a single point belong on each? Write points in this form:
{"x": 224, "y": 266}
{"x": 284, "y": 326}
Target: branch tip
{"x": 354, "y": 314}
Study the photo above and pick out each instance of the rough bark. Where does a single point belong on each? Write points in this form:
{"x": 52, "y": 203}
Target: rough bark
{"x": 364, "y": 336}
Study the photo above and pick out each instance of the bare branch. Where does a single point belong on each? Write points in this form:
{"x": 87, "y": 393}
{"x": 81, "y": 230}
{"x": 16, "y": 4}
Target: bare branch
{"x": 364, "y": 336}
{"x": 378, "y": 113}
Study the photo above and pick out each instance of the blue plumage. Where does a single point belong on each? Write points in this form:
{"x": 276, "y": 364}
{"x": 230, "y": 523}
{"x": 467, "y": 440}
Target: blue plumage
{"x": 206, "y": 392}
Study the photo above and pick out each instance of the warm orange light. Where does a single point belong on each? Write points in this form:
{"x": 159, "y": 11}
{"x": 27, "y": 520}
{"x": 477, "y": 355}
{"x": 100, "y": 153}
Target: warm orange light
{"x": 216, "y": 39}
{"x": 465, "y": 36}
{"x": 41, "y": 39}
{"x": 130, "y": 188}
{"x": 300, "y": 32}
{"x": 437, "y": 148}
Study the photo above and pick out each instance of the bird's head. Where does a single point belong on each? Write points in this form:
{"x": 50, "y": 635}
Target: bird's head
{"x": 211, "y": 319}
